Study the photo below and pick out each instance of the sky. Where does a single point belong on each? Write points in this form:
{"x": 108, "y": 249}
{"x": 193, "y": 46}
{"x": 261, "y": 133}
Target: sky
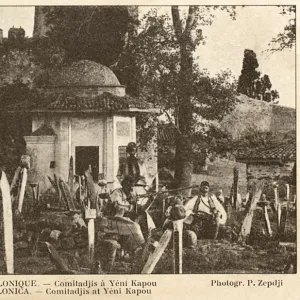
{"x": 226, "y": 41}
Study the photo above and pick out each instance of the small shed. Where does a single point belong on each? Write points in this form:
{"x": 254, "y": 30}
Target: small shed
{"x": 272, "y": 163}
{"x": 82, "y": 111}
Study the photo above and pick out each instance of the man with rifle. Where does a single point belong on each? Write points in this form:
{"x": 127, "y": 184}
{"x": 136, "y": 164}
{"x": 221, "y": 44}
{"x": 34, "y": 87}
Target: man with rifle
{"x": 206, "y": 215}
{"x": 124, "y": 203}
{"x": 118, "y": 219}
{"x": 122, "y": 199}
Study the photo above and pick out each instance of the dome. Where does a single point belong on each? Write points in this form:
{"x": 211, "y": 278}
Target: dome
{"x": 84, "y": 73}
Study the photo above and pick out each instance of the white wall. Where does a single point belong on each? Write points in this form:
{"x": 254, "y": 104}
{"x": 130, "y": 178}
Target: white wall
{"x": 41, "y": 152}
{"x": 87, "y": 131}
{"x": 72, "y": 132}
{"x": 124, "y": 131}
{"x": 108, "y": 133}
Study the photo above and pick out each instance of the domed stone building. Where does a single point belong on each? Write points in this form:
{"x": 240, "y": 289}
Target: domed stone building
{"x": 80, "y": 111}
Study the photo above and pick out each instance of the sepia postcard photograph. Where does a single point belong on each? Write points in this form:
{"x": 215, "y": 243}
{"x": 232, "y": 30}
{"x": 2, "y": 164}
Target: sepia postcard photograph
{"x": 145, "y": 140}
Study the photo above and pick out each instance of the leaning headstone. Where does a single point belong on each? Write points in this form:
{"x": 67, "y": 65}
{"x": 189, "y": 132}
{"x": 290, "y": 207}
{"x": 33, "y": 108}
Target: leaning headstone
{"x": 247, "y": 223}
{"x": 7, "y": 223}
{"x": 24, "y": 164}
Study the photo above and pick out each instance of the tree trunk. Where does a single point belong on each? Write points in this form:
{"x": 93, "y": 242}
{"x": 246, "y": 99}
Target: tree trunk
{"x": 41, "y": 27}
{"x": 184, "y": 164}
{"x": 184, "y": 154}
{"x": 235, "y": 186}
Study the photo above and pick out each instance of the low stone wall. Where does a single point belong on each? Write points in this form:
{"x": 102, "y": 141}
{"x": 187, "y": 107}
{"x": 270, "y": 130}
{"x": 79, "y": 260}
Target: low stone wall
{"x": 281, "y": 174}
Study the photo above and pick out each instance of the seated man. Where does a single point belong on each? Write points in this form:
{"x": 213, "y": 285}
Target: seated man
{"x": 122, "y": 199}
{"x": 206, "y": 215}
{"x": 118, "y": 222}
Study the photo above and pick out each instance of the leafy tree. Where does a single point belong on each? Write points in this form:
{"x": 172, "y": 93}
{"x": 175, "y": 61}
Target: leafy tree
{"x": 274, "y": 95}
{"x": 10, "y": 152}
{"x": 265, "y": 93}
{"x": 17, "y": 72}
{"x": 251, "y": 83}
{"x": 266, "y": 88}
{"x": 266, "y": 83}
{"x": 95, "y": 33}
{"x": 213, "y": 142}
{"x": 158, "y": 63}
{"x": 287, "y": 38}
{"x": 249, "y": 75}
{"x": 167, "y": 75}
{"x": 258, "y": 89}
{"x": 12, "y": 130}
{"x": 17, "y": 65}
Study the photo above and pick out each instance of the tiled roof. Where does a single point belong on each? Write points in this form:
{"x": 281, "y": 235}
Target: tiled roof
{"x": 282, "y": 152}
{"x": 104, "y": 103}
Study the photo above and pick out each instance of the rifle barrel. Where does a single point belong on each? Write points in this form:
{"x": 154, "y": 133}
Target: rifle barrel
{"x": 168, "y": 191}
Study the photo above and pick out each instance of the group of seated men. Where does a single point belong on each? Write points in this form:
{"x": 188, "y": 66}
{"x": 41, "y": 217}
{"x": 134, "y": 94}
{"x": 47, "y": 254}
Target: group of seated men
{"x": 205, "y": 214}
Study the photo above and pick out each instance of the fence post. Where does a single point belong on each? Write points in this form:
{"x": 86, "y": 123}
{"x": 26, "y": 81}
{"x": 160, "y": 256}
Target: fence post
{"x": 235, "y": 186}
{"x": 177, "y": 244}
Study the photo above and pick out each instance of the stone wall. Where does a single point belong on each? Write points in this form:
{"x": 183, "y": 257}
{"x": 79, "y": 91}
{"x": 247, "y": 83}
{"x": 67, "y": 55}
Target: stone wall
{"x": 248, "y": 114}
{"x": 284, "y": 119}
{"x": 254, "y": 114}
{"x": 269, "y": 172}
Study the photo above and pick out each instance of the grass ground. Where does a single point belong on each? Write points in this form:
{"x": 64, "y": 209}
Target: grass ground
{"x": 220, "y": 176}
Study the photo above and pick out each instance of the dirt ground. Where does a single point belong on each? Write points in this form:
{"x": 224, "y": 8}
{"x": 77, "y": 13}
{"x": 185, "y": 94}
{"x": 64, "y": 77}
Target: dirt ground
{"x": 261, "y": 254}
{"x": 210, "y": 257}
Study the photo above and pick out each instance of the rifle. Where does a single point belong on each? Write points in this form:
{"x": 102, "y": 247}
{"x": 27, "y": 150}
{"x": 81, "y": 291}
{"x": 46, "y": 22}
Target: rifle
{"x": 167, "y": 191}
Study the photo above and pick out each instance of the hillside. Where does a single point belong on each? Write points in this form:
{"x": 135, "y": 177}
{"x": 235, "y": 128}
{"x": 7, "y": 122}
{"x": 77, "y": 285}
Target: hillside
{"x": 254, "y": 114}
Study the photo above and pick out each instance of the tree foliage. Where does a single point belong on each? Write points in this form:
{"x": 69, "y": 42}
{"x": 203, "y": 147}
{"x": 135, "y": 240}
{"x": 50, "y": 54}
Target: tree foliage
{"x": 155, "y": 55}
{"x": 12, "y": 129}
{"x": 159, "y": 66}
{"x": 95, "y": 33}
{"x": 251, "y": 83}
{"x": 249, "y": 74}
{"x": 287, "y": 38}
{"x": 17, "y": 65}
